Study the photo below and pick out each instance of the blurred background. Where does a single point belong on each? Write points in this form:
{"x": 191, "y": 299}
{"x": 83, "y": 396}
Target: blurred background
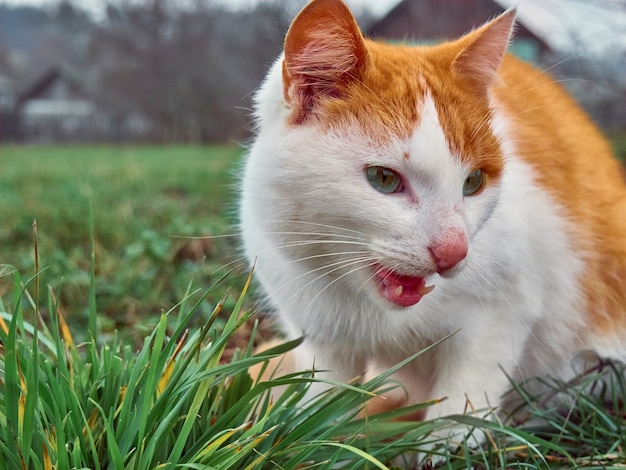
{"x": 123, "y": 125}
{"x": 185, "y": 70}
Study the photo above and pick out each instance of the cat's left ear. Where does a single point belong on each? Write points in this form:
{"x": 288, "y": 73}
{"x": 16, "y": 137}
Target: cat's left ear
{"x": 484, "y": 49}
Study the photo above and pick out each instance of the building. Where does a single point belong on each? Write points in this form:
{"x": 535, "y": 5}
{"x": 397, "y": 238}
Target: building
{"x": 57, "y": 107}
{"x": 429, "y": 21}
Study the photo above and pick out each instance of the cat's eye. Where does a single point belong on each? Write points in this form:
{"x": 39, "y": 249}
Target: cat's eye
{"x": 383, "y": 179}
{"x": 474, "y": 183}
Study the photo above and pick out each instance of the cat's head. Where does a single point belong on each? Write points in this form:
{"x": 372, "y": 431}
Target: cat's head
{"x": 380, "y": 162}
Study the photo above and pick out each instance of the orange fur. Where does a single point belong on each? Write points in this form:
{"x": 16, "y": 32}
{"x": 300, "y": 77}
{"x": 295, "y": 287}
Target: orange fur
{"x": 381, "y": 84}
{"x": 575, "y": 164}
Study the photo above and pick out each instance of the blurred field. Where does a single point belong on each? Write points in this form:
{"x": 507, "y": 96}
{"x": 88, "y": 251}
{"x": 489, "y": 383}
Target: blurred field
{"x": 619, "y": 144}
{"x": 147, "y": 202}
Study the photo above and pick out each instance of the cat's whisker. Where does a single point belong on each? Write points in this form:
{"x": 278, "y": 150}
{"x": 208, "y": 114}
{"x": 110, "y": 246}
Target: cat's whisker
{"x": 372, "y": 263}
{"x": 370, "y": 277}
{"x": 563, "y": 80}
{"x": 479, "y": 289}
{"x": 516, "y": 313}
{"x": 321, "y": 242}
{"x": 317, "y": 234}
{"x": 307, "y": 243}
{"x": 243, "y": 260}
{"x": 266, "y": 255}
{"x": 325, "y": 255}
{"x": 316, "y": 224}
{"x": 310, "y": 243}
{"x": 338, "y": 265}
{"x": 235, "y": 264}
{"x": 492, "y": 285}
{"x": 504, "y": 347}
{"x": 534, "y": 108}
{"x": 335, "y": 269}
{"x": 347, "y": 256}
{"x": 207, "y": 237}
{"x": 486, "y": 256}
{"x": 546, "y": 70}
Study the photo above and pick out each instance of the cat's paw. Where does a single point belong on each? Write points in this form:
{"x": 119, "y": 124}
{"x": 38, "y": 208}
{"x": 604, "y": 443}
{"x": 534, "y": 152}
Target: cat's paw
{"x": 448, "y": 442}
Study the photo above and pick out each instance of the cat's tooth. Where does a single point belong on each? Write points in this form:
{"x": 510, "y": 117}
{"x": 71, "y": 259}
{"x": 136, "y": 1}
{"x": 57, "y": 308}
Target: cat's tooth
{"x": 398, "y": 291}
{"x": 426, "y": 289}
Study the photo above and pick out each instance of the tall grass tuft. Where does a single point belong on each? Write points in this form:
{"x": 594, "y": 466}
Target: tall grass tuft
{"x": 175, "y": 403}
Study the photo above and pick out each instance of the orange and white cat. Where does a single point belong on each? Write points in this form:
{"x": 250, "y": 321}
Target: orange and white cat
{"x": 395, "y": 194}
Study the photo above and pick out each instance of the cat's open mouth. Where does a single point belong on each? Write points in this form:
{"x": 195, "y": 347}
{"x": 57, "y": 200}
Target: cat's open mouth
{"x": 400, "y": 289}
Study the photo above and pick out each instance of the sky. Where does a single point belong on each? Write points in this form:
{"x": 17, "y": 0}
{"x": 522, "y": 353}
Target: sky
{"x": 598, "y": 25}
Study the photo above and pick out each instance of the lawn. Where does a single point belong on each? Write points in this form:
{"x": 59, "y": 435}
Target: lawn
{"x": 148, "y": 204}
{"x": 131, "y": 348}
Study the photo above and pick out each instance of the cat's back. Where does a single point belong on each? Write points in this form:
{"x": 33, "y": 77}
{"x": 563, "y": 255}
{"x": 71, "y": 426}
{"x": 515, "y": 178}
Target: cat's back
{"x": 546, "y": 117}
{"x": 574, "y": 163}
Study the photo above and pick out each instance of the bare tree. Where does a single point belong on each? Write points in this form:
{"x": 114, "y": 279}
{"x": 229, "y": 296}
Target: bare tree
{"x": 188, "y": 70}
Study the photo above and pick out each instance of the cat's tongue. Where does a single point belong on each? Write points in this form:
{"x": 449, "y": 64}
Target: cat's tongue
{"x": 400, "y": 289}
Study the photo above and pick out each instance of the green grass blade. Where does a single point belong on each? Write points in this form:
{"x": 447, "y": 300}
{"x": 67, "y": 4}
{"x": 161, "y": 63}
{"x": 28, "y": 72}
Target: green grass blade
{"x": 12, "y": 383}
{"x": 93, "y": 311}
{"x": 31, "y": 397}
{"x": 533, "y": 442}
{"x": 113, "y": 450}
{"x": 200, "y": 396}
{"x": 365, "y": 457}
{"x": 149, "y": 390}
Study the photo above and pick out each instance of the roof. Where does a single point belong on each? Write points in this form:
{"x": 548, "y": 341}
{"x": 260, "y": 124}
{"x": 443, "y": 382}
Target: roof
{"x": 56, "y": 83}
{"x": 441, "y": 19}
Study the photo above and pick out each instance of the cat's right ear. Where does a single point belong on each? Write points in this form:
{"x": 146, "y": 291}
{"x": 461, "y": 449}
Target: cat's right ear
{"x": 324, "y": 51}
{"x": 484, "y": 49}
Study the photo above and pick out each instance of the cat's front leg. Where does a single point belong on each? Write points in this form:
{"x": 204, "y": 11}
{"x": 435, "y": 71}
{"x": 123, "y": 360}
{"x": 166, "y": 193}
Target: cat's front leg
{"x": 462, "y": 380}
{"x": 470, "y": 375}
{"x": 325, "y": 363}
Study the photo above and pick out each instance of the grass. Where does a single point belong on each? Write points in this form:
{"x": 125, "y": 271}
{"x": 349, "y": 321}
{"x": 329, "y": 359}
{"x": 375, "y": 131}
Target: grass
{"x": 618, "y": 140}
{"x": 176, "y": 403}
{"x": 146, "y": 201}
{"x": 125, "y": 359}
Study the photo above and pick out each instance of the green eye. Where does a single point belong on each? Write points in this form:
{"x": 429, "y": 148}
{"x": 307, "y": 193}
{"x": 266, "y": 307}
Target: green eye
{"x": 474, "y": 183}
{"x": 383, "y": 179}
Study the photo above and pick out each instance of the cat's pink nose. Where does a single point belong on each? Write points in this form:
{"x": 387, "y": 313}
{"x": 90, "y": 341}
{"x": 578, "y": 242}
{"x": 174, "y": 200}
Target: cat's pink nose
{"x": 450, "y": 252}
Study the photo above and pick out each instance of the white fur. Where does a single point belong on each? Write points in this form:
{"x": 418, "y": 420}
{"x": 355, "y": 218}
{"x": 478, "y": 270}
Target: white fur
{"x": 306, "y": 203}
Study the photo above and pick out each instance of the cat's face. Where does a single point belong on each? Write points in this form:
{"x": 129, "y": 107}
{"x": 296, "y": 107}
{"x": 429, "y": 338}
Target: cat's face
{"x": 384, "y": 216}
{"x": 383, "y": 166}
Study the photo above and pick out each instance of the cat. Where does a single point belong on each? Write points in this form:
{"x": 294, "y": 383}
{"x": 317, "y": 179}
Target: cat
{"x": 395, "y": 194}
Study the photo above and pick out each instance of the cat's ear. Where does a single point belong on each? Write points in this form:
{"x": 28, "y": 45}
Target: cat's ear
{"x": 324, "y": 50}
{"x": 484, "y": 49}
